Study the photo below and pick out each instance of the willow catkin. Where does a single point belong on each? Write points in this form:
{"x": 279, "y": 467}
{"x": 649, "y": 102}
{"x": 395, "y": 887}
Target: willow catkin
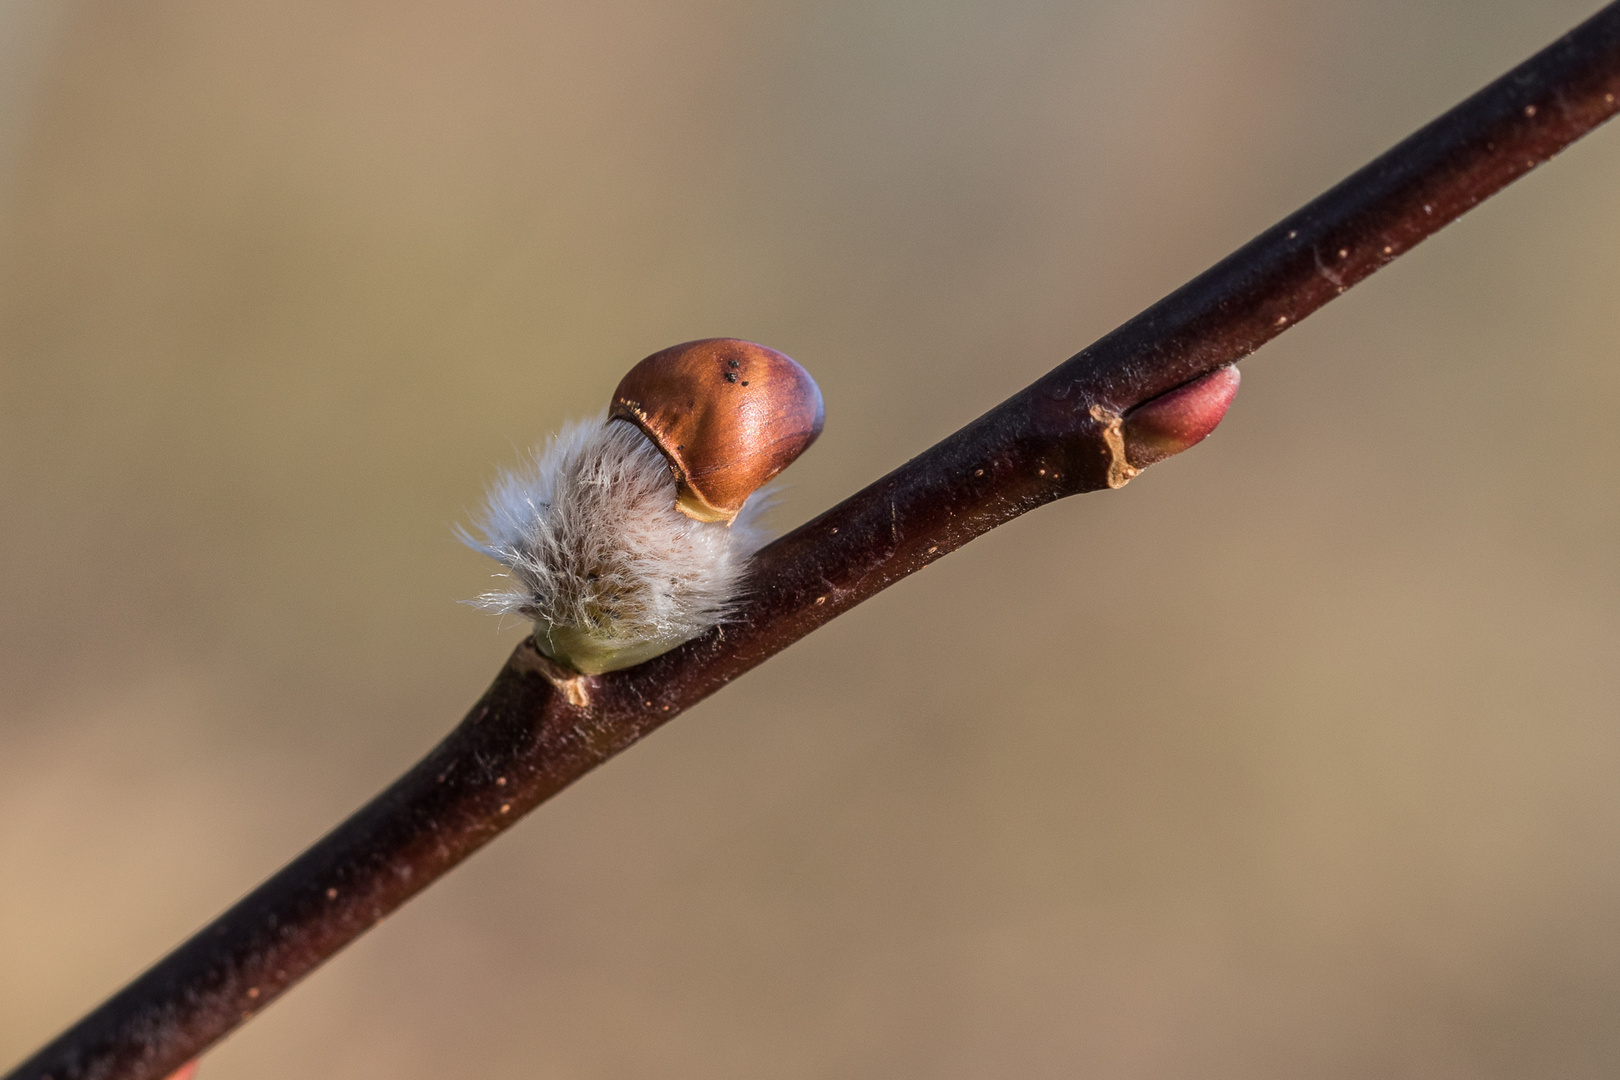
{"x": 598, "y": 555}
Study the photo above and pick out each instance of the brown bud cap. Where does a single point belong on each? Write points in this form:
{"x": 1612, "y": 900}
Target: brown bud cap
{"x": 728, "y": 415}
{"x": 1179, "y": 419}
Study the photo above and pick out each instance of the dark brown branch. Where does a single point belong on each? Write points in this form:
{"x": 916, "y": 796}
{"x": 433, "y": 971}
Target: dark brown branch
{"x": 536, "y": 730}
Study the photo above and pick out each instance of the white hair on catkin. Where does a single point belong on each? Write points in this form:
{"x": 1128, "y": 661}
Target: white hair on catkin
{"x": 598, "y": 551}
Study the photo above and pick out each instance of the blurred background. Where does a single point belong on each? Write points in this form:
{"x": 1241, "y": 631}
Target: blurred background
{"x": 1298, "y": 757}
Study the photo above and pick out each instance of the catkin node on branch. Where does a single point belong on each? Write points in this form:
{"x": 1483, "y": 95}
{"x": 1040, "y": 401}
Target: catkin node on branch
{"x": 630, "y": 533}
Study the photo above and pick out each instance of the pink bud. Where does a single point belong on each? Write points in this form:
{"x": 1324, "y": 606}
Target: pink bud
{"x": 1181, "y": 418}
{"x": 185, "y": 1072}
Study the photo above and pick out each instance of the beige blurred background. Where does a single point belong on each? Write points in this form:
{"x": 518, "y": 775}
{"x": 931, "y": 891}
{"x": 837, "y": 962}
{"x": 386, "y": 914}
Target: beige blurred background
{"x": 1300, "y": 757}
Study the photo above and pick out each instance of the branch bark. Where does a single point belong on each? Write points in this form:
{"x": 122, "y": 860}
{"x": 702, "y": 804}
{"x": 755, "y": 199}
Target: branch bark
{"x": 539, "y": 727}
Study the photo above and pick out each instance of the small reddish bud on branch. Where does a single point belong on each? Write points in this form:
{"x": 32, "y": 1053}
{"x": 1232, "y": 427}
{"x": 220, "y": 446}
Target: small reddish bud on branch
{"x": 1179, "y": 420}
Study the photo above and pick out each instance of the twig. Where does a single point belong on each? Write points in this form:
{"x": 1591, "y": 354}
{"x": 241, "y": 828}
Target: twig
{"x": 539, "y": 727}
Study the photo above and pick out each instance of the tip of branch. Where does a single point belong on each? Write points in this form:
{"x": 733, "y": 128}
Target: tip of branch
{"x": 1174, "y": 421}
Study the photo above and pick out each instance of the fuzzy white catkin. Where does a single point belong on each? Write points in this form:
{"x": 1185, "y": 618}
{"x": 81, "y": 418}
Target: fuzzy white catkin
{"x": 598, "y": 555}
